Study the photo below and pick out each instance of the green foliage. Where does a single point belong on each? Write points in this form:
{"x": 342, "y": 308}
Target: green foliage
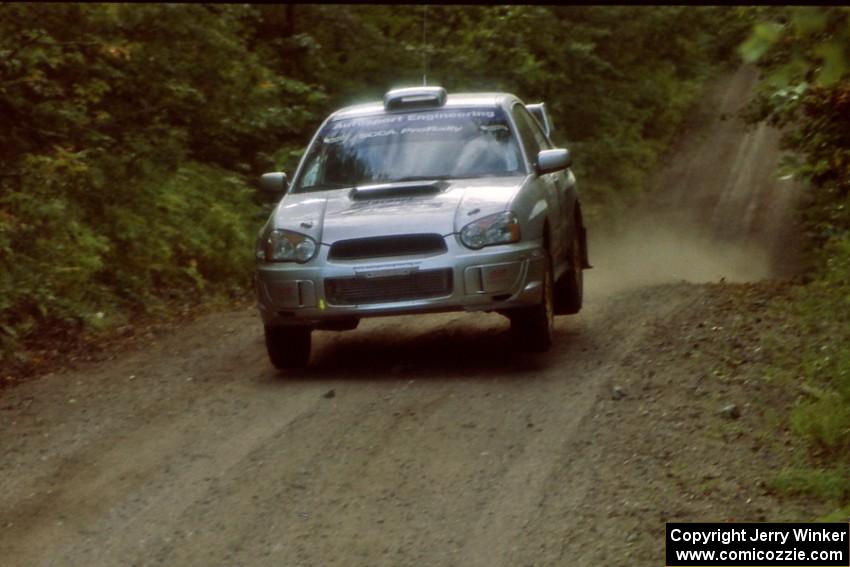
{"x": 806, "y": 91}
{"x": 828, "y": 484}
{"x": 618, "y": 93}
{"x": 763, "y": 37}
{"x": 127, "y": 131}
{"x": 130, "y": 130}
{"x": 822, "y": 314}
{"x": 813, "y": 357}
{"x": 837, "y": 515}
{"x": 802, "y": 44}
{"x": 160, "y": 249}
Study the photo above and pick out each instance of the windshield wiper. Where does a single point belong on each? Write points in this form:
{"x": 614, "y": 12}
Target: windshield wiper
{"x": 441, "y": 177}
{"x": 324, "y": 186}
{"x": 418, "y": 178}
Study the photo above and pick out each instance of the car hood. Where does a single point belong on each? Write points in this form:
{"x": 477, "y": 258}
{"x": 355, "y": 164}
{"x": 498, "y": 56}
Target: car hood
{"x": 341, "y": 214}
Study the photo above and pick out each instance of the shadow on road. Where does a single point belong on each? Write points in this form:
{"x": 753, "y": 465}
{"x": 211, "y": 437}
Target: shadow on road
{"x": 456, "y": 351}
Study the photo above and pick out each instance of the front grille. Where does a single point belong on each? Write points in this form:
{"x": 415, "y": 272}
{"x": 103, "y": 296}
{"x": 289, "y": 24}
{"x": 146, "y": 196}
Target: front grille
{"x": 385, "y": 246}
{"x": 360, "y": 290}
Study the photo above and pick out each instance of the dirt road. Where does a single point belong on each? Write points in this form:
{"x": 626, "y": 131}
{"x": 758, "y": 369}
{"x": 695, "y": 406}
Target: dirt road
{"x": 410, "y": 441}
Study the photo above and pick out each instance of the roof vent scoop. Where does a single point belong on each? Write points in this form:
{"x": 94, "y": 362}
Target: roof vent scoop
{"x": 415, "y": 97}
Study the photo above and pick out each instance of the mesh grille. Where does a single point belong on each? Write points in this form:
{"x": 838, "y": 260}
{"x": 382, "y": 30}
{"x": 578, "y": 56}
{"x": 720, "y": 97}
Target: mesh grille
{"x": 384, "y": 246}
{"x": 363, "y": 290}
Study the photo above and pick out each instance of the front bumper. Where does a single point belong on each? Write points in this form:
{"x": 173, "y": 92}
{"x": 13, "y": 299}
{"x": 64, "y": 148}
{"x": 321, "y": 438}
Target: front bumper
{"x": 494, "y": 278}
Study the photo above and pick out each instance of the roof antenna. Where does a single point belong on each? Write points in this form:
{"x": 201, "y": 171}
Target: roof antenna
{"x": 424, "y": 51}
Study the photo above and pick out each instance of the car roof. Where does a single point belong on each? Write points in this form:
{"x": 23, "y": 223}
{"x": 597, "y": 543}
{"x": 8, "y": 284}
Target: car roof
{"x": 457, "y": 100}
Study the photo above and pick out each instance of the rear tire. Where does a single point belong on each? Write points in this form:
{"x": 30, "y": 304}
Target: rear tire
{"x": 533, "y": 328}
{"x": 569, "y": 291}
{"x": 288, "y": 347}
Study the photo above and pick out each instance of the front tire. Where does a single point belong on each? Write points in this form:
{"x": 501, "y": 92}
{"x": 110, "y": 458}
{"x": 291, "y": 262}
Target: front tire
{"x": 288, "y": 347}
{"x": 533, "y": 328}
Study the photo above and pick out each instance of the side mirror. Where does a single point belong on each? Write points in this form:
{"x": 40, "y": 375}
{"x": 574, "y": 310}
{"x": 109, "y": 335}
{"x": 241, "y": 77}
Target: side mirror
{"x": 550, "y": 161}
{"x": 274, "y": 182}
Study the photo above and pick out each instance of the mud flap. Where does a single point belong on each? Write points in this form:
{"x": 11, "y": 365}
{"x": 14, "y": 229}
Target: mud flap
{"x": 585, "y": 261}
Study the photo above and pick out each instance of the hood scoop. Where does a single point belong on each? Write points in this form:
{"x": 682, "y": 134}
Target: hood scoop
{"x": 398, "y": 189}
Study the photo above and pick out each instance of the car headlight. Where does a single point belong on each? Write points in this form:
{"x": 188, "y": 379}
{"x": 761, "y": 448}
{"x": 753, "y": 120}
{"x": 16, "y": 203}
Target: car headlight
{"x": 501, "y": 228}
{"x": 288, "y": 246}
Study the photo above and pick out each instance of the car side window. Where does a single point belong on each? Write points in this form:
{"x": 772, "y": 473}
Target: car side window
{"x": 310, "y": 175}
{"x": 541, "y": 139}
{"x": 526, "y": 133}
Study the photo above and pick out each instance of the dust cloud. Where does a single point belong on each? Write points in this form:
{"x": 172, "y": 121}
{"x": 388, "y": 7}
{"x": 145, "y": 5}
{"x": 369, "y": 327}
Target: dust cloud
{"x": 718, "y": 211}
{"x": 644, "y": 255}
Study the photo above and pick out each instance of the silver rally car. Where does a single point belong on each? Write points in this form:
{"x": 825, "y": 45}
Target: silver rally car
{"x": 425, "y": 202}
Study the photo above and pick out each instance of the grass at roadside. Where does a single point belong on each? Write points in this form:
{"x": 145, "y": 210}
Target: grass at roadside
{"x": 811, "y": 358}
{"x": 778, "y": 352}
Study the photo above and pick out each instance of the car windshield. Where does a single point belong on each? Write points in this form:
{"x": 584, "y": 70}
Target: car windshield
{"x": 421, "y": 145}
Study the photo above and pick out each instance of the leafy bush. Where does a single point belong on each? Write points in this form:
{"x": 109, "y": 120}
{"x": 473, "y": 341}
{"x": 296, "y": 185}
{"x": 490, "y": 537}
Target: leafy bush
{"x": 128, "y": 130}
{"x": 822, "y": 309}
{"x": 806, "y": 91}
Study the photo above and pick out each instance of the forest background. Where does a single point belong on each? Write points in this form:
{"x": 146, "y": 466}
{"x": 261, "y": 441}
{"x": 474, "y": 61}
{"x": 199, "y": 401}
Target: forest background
{"x": 134, "y": 134}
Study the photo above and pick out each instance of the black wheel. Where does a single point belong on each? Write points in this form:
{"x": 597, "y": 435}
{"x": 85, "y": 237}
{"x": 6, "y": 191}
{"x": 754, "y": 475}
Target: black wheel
{"x": 569, "y": 290}
{"x": 533, "y": 328}
{"x": 288, "y": 347}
